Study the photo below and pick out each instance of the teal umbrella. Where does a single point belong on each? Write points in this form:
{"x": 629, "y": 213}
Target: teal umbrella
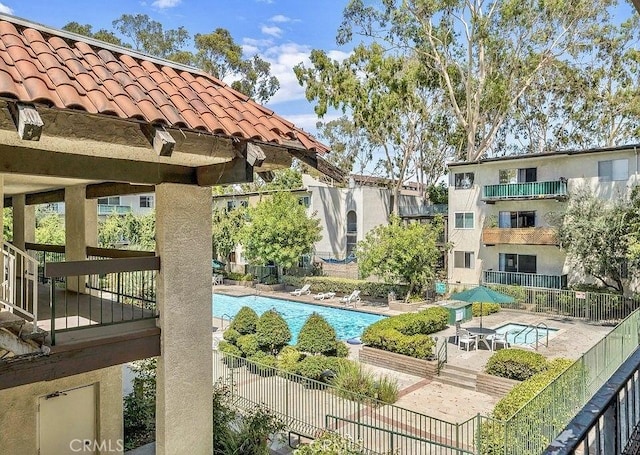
{"x": 482, "y": 295}
{"x": 218, "y": 265}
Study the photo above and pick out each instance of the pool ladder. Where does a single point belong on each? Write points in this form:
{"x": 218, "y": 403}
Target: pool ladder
{"x": 530, "y": 328}
{"x": 229, "y": 318}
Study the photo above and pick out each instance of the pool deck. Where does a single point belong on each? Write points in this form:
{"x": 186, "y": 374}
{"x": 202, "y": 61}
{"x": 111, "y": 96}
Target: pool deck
{"x": 432, "y": 397}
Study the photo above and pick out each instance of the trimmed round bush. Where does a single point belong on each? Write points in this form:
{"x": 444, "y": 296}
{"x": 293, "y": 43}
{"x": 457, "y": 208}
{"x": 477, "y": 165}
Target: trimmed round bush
{"x": 231, "y": 355}
{"x": 484, "y": 309}
{"x": 516, "y": 364}
{"x": 272, "y": 332}
{"x": 317, "y": 336}
{"x": 342, "y": 350}
{"x": 288, "y": 359}
{"x": 312, "y": 367}
{"x": 262, "y": 363}
{"x": 231, "y": 335}
{"x": 245, "y": 321}
{"x": 408, "y": 333}
{"x": 248, "y": 344}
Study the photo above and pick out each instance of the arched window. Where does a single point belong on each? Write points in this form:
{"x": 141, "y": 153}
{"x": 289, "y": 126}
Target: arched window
{"x": 352, "y": 232}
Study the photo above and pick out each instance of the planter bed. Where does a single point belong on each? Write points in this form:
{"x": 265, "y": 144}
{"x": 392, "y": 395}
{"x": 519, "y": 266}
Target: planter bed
{"x": 248, "y": 284}
{"x": 400, "y": 305}
{"x": 494, "y": 385}
{"x": 270, "y": 287}
{"x": 398, "y": 362}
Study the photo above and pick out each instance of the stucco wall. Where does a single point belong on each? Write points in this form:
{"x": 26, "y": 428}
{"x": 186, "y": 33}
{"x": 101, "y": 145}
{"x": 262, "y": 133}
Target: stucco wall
{"x": 19, "y": 409}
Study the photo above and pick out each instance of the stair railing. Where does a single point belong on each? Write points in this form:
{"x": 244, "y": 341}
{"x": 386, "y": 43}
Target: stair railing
{"x": 19, "y": 287}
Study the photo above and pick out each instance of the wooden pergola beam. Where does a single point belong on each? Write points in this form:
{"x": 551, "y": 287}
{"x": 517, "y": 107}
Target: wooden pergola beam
{"x": 237, "y": 170}
{"x": 44, "y": 197}
{"x": 106, "y": 189}
{"x": 322, "y": 165}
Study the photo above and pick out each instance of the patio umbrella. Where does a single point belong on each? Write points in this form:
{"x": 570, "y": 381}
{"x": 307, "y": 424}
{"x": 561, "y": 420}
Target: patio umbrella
{"x": 482, "y": 295}
{"x": 218, "y": 265}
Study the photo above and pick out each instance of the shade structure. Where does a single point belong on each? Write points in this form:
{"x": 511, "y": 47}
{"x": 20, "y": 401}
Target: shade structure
{"x": 481, "y": 294}
{"x": 217, "y": 265}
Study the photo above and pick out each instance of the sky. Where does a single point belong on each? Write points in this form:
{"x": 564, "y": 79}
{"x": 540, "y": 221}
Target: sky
{"x": 282, "y": 32}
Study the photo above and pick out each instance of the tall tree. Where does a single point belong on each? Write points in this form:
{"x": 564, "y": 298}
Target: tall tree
{"x": 149, "y": 36}
{"x": 87, "y": 30}
{"x": 487, "y": 53}
{"x": 351, "y": 148}
{"x": 279, "y": 231}
{"x": 227, "y": 225}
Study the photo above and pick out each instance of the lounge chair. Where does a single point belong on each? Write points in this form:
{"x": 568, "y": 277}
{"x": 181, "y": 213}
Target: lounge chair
{"x": 303, "y": 290}
{"x": 351, "y": 299}
{"x": 466, "y": 338}
{"x": 324, "y": 295}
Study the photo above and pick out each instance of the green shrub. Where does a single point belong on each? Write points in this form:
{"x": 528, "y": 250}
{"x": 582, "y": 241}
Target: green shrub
{"x": 272, "y": 331}
{"x": 353, "y": 382}
{"x": 331, "y": 444}
{"x": 317, "y": 336}
{"x": 231, "y": 335}
{"x": 484, "y": 309}
{"x": 248, "y": 344}
{"x": 342, "y": 350}
{"x": 312, "y": 367}
{"x": 245, "y": 321}
{"x": 516, "y": 364}
{"x": 262, "y": 363}
{"x": 239, "y": 276}
{"x": 525, "y": 391}
{"x": 345, "y": 285}
{"x": 408, "y": 333}
{"x": 288, "y": 359}
{"x": 231, "y": 355}
{"x": 386, "y": 389}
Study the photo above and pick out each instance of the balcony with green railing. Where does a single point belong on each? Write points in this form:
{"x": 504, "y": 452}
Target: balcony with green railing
{"x": 531, "y": 280}
{"x": 104, "y": 209}
{"x": 555, "y": 189}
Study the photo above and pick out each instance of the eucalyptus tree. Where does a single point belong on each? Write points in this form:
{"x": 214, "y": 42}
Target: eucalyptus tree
{"x": 486, "y": 53}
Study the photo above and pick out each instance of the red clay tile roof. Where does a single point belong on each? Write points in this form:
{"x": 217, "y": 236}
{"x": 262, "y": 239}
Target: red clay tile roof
{"x": 40, "y": 65}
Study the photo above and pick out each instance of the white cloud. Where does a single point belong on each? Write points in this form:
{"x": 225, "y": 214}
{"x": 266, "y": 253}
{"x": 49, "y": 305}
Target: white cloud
{"x": 280, "y": 18}
{"x": 165, "y": 3}
{"x": 271, "y": 30}
{"x": 4, "y": 9}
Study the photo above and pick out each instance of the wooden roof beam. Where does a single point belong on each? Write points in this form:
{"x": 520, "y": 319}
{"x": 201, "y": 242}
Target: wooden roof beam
{"x": 28, "y": 121}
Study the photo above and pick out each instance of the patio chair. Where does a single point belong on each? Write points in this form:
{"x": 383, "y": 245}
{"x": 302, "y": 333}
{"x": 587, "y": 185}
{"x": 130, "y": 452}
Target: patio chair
{"x": 351, "y": 299}
{"x": 457, "y": 332}
{"x": 303, "y": 290}
{"x": 324, "y": 295}
{"x": 217, "y": 279}
{"x": 466, "y": 338}
{"x": 499, "y": 338}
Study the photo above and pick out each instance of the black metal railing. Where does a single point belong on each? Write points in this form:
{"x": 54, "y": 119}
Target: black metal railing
{"x": 608, "y": 423}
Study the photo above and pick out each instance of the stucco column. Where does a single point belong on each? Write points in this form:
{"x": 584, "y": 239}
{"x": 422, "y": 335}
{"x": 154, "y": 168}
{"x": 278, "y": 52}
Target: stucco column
{"x": 24, "y": 222}
{"x": 81, "y": 226}
{"x": 184, "y": 376}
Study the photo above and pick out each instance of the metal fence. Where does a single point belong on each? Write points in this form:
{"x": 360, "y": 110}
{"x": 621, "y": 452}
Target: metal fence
{"x": 539, "y": 421}
{"x": 310, "y": 407}
{"x": 596, "y": 307}
{"x": 45, "y": 254}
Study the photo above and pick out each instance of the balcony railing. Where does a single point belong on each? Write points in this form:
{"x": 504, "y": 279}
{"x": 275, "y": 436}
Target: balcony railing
{"x": 556, "y": 189}
{"x": 423, "y": 210}
{"x": 532, "y": 280}
{"x": 520, "y": 236}
{"x": 104, "y": 209}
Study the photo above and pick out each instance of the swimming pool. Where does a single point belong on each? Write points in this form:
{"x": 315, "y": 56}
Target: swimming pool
{"x": 524, "y": 334}
{"x": 347, "y": 323}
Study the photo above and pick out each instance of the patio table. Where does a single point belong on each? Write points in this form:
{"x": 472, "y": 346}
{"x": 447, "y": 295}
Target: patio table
{"x": 482, "y": 333}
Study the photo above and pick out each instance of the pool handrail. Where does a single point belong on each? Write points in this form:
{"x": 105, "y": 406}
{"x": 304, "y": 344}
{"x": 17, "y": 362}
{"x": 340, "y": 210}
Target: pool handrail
{"x": 540, "y": 325}
{"x": 229, "y": 318}
{"x": 529, "y": 328}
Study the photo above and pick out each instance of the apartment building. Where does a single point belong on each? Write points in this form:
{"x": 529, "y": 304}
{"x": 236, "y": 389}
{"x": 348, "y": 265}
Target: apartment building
{"x": 137, "y": 204}
{"x": 500, "y": 212}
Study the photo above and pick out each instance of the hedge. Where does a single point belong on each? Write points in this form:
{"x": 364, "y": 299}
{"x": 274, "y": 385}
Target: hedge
{"x": 272, "y": 332}
{"x": 248, "y": 344}
{"x": 408, "y": 333}
{"x": 345, "y": 285}
{"x": 516, "y": 364}
{"x": 484, "y": 309}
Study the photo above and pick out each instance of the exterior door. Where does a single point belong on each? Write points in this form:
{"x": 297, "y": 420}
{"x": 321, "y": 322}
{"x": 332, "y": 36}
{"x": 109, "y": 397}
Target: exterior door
{"x": 67, "y": 422}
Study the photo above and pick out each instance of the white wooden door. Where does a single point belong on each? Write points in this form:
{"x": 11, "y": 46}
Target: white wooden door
{"x": 67, "y": 422}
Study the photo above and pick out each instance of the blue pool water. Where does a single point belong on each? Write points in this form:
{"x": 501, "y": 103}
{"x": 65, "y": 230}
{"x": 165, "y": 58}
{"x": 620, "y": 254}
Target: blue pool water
{"x": 347, "y": 323}
{"x": 518, "y": 335}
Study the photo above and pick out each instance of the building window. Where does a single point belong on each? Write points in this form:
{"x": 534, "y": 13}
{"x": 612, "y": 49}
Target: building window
{"x": 523, "y": 175}
{"x": 235, "y": 203}
{"x": 146, "y": 202}
{"x": 352, "y": 232}
{"x": 517, "y": 219}
{"x": 611, "y": 170}
{"x": 463, "y": 259}
{"x": 520, "y": 263}
{"x": 305, "y": 200}
{"x": 113, "y": 200}
{"x": 463, "y": 180}
{"x": 464, "y": 220}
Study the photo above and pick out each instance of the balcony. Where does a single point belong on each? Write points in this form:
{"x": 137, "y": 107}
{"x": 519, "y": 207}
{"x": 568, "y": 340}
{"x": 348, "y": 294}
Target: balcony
{"x": 532, "y": 280}
{"x": 422, "y": 210}
{"x": 556, "y": 189}
{"x": 520, "y": 236}
{"x": 104, "y": 209}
